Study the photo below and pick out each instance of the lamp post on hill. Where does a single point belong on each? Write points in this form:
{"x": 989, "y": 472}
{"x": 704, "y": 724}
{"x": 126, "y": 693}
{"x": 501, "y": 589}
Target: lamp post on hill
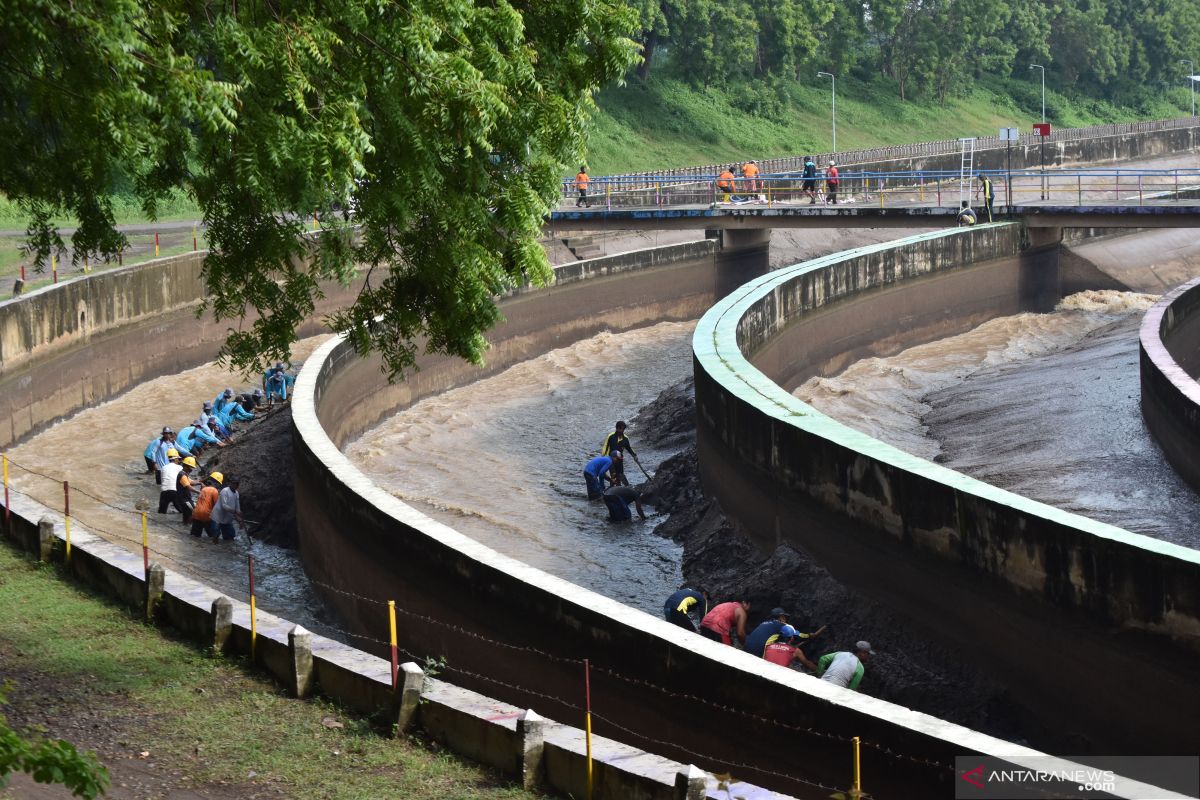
{"x": 833, "y": 103}
{"x": 1191, "y": 80}
{"x": 1043, "y": 70}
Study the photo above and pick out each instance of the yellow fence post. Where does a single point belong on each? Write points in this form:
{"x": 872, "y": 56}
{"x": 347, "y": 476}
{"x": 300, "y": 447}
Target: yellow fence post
{"x": 856, "y": 789}
{"x": 253, "y": 612}
{"x": 395, "y": 649}
{"x": 67, "y": 517}
{"x": 587, "y": 697}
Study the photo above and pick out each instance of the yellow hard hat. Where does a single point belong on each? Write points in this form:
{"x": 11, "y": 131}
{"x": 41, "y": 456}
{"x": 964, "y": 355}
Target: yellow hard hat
{"x": 172, "y": 453}
{"x": 218, "y": 477}
{"x": 189, "y": 462}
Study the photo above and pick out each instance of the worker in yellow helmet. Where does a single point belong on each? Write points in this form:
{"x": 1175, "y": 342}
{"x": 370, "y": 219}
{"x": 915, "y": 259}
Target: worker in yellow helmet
{"x": 202, "y": 521}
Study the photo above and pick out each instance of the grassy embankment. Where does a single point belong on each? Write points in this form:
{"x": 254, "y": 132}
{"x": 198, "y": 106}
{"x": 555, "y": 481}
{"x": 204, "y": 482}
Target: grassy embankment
{"x": 667, "y": 123}
{"x": 160, "y": 712}
{"x": 664, "y": 123}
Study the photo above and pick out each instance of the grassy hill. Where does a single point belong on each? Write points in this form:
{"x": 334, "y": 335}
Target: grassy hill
{"x": 664, "y": 122}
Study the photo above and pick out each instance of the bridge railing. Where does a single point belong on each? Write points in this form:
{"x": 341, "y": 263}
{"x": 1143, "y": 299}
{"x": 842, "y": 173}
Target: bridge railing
{"x": 942, "y": 188}
{"x": 941, "y": 147}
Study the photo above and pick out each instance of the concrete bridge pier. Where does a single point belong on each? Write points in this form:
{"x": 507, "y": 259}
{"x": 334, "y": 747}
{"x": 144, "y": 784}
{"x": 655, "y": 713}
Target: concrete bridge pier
{"x": 744, "y": 254}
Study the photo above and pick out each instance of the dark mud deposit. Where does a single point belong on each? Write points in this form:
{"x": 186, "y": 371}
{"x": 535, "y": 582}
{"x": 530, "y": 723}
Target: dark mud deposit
{"x": 908, "y": 669}
{"x": 261, "y": 456}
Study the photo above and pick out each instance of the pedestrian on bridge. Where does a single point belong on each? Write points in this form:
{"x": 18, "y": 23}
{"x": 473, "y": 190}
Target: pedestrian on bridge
{"x": 831, "y": 184}
{"x": 810, "y": 180}
{"x": 725, "y": 183}
{"x": 581, "y": 183}
{"x": 989, "y": 193}
{"x": 750, "y": 173}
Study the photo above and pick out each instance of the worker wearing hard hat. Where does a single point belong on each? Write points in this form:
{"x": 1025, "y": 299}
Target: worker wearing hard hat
{"x": 202, "y": 521}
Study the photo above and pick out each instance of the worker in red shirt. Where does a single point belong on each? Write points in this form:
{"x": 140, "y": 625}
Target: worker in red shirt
{"x": 831, "y": 184}
{"x": 724, "y": 620}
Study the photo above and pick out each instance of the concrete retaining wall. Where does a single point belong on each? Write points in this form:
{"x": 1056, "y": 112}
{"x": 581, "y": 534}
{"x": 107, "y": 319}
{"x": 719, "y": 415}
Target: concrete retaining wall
{"x": 536, "y": 753}
{"x": 697, "y": 700}
{"x": 69, "y": 346}
{"x": 1170, "y": 365}
{"x": 1065, "y": 608}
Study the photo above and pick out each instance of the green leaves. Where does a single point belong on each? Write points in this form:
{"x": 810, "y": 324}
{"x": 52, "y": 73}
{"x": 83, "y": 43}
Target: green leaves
{"x": 50, "y": 761}
{"x": 445, "y": 124}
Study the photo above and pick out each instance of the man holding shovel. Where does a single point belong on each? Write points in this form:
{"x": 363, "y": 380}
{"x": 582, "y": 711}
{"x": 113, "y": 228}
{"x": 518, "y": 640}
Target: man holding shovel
{"x": 618, "y": 441}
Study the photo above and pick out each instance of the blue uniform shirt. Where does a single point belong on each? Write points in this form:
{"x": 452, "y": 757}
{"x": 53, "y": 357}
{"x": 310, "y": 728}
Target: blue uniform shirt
{"x": 675, "y": 601}
{"x": 151, "y": 448}
{"x": 598, "y": 466}
{"x": 160, "y": 453}
{"x": 764, "y": 634}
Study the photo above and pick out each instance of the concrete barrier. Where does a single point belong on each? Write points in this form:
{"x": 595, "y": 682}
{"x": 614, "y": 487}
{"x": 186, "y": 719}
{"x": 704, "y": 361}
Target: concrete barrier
{"x": 1170, "y": 364}
{"x": 68, "y": 346}
{"x": 537, "y": 753}
{"x": 1027, "y": 591}
{"x": 520, "y": 634}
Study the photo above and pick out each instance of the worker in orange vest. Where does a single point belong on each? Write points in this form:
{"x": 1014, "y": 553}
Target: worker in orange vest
{"x": 750, "y": 173}
{"x": 725, "y": 182}
{"x": 581, "y": 183}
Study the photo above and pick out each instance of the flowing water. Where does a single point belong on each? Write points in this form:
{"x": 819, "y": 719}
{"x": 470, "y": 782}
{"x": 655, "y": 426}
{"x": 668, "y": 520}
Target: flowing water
{"x": 1045, "y": 405}
{"x": 99, "y": 451}
{"x": 501, "y": 460}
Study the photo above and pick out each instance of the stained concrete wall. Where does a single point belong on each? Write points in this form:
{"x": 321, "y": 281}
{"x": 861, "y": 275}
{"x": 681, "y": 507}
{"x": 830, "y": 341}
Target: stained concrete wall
{"x": 1170, "y": 366}
{"x": 69, "y": 346}
{"x": 689, "y": 695}
{"x": 1084, "y": 622}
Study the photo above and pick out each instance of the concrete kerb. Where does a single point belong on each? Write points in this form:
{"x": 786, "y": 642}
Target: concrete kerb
{"x": 468, "y": 723}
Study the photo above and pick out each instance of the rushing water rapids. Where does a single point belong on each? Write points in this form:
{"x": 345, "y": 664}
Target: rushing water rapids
{"x": 502, "y": 460}
{"x": 1045, "y": 405}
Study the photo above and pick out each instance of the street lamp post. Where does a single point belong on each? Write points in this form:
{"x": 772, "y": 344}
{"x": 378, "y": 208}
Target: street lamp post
{"x": 1191, "y": 80}
{"x": 1043, "y": 70}
{"x": 832, "y": 103}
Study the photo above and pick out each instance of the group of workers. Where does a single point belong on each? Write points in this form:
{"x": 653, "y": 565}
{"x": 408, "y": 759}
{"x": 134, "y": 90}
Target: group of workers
{"x": 605, "y": 478}
{"x": 773, "y": 639}
{"x": 212, "y": 504}
{"x": 728, "y": 185}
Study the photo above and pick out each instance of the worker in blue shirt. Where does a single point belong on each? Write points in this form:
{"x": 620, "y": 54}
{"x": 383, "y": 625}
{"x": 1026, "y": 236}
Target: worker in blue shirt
{"x": 776, "y": 627}
{"x": 682, "y": 603}
{"x": 597, "y": 472}
{"x": 277, "y": 382}
{"x": 164, "y": 443}
{"x": 221, "y": 399}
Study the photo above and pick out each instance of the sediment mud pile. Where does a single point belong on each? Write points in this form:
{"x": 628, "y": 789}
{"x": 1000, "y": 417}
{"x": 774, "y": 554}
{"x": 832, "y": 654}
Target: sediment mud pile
{"x": 261, "y": 456}
{"x": 908, "y": 669}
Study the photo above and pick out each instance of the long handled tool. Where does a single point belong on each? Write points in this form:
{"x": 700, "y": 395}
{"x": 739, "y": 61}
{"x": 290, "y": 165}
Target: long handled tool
{"x": 643, "y": 469}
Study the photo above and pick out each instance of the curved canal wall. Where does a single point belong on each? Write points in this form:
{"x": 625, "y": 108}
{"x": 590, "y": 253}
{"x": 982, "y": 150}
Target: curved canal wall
{"x": 688, "y": 694}
{"x": 1170, "y": 366}
{"x": 1067, "y": 609}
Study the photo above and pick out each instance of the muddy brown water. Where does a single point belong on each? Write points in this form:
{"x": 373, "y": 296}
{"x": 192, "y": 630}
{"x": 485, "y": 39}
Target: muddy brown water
{"x": 99, "y": 451}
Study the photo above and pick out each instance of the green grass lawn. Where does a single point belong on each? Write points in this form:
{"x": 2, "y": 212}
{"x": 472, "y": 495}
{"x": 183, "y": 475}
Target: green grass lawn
{"x": 90, "y": 672}
{"x": 662, "y": 122}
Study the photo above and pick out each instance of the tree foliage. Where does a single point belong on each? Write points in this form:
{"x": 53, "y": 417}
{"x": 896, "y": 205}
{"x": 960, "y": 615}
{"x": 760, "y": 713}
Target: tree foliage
{"x": 930, "y": 48}
{"x": 445, "y": 125}
{"x": 50, "y": 761}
